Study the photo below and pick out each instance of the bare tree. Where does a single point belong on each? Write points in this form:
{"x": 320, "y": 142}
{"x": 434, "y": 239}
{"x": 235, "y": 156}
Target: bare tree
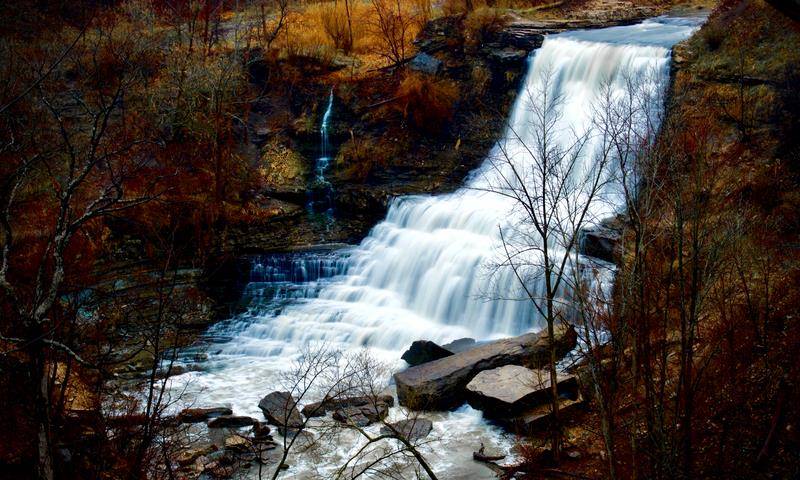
{"x": 393, "y": 26}
{"x": 87, "y": 158}
{"x": 349, "y": 386}
{"x": 396, "y": 448}
{"x": 626, "y": 123}
{"x": 552, "y": 187}
{"x": 274, "y": 21}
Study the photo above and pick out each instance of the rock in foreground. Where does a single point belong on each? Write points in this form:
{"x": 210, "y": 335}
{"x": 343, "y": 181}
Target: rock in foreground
{"x": 441, "y": 384}
{"x": 280, "y": 409}
{"x": 512, "y": 389}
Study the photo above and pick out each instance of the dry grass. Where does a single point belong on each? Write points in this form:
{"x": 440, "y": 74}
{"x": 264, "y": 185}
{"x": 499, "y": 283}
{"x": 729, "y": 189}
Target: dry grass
{"x": 322, "y": 29}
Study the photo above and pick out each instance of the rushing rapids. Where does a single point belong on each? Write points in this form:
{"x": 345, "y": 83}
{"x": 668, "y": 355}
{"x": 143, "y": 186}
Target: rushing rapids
{"x": 421, "y": 273}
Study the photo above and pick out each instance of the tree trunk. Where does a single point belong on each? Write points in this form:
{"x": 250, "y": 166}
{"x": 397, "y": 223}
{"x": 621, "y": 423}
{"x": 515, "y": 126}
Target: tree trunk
{"x": 42, "y": 410}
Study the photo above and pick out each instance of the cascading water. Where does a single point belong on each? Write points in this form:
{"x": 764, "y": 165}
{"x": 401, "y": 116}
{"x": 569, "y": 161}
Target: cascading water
{"x": 420, "y": 272}
{"x": 321, "y": 190}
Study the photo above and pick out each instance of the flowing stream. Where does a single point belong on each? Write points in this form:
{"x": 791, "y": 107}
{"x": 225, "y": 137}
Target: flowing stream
{"x": 321, "y": 192}
{"x": 421, "y": 272}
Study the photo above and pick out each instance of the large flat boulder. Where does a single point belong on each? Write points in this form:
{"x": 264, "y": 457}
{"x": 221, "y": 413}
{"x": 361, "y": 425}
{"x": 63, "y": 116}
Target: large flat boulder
{"x": 512, "y": 389}
{"x": 441, "y": 384}
{"x": 280, "y": 409}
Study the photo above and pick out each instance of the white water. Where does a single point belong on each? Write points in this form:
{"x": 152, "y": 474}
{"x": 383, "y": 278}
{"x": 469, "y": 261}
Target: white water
{"x": 421, "y": 272}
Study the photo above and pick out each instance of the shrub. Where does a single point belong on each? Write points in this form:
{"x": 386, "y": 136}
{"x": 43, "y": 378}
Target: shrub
{"x": 426, "y": 104}
{"x": 360, "y": 156}
{"x": 333, "y": 17}
{"x": 456, "y": 7}
{"x": 481, "y": 77}
{"x": 713, "y": 35}
{"x": 483, "y": 23}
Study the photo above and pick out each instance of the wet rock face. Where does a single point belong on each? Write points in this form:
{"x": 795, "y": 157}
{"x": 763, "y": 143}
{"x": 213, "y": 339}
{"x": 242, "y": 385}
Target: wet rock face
{"x": 600, "y": 242}
{"x": 511, "y": 389}
{"x": 280, "y": 409}
{"x": 423, "y": 351}
{"x": 441, "y": 384}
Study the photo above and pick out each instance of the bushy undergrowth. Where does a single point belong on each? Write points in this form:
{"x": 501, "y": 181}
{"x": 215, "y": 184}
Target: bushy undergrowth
{"x": 426, "y": 103}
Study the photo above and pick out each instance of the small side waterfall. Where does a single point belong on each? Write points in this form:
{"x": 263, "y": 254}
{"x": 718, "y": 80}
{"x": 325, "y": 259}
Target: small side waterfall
{"x": 321, "y": 192}
{"x": 323, "y": 130}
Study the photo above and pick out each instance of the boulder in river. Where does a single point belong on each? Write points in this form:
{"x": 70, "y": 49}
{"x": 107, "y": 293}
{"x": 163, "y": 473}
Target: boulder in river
{"x": 261, "y": 431}
{"x": 321, "y": 408}
{"x": 280, "y": 409}
{"x": 363, "y": 415}
{"x": 512, "y": 389}
{"x": 423, "y": 351}
{"x": 441, "y": 384}
{"x": 231, "y": 421}
{"x": 238, "y": 443}
{"x": 197, "y": 415}
{"x": 412, "y": 429}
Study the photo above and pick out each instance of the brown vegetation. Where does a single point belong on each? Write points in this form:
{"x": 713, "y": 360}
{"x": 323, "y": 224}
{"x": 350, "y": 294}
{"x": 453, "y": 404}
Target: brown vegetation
{"x": 697, "y": 379}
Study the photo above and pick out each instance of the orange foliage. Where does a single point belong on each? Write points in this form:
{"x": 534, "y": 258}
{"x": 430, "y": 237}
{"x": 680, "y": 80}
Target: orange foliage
{"x": 426, "y": 103}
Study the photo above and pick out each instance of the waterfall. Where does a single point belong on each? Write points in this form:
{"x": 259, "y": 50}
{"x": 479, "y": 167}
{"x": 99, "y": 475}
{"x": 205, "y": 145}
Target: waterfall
{"x": 324, "y": 159}
{"x": 321, "y": 194}
{"x": 420, "y": 273}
